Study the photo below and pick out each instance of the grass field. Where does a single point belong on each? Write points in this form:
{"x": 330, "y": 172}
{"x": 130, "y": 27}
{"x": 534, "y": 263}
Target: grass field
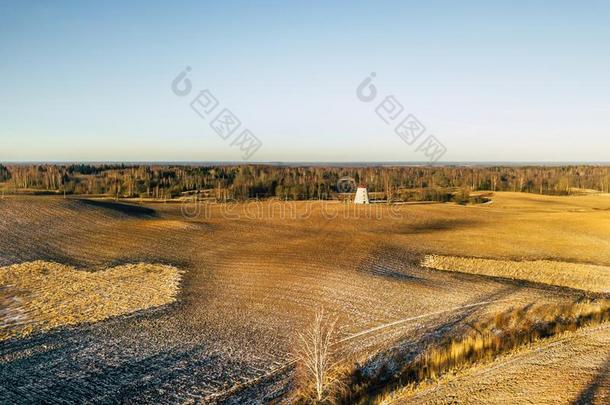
{"x": 41, "y": 296}
{"x": 573, "y": 275}
{"x": 252, "y": 280}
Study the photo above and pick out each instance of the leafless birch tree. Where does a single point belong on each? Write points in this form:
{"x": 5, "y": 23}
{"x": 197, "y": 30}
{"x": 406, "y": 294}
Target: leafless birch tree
{"x": 315, "y": 354}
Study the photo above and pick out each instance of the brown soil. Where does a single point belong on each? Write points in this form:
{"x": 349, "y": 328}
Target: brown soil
{"x": 251, "y": 283}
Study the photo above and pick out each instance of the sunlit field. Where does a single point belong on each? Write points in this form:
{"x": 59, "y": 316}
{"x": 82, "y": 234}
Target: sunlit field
{"x": 574, "y": 275}
{"x": 40, "y": 296}
{"x": 160, "y": 302}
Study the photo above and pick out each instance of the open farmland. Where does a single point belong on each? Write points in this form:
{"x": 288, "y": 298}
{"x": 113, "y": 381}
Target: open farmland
{"x": 253, "y": 278}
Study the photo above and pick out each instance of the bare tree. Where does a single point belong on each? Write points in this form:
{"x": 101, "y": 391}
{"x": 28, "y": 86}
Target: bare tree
{"x": 316, "y": 356}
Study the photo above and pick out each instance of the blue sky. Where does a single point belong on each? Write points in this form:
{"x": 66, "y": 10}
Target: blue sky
{"x": 519, "y": 81}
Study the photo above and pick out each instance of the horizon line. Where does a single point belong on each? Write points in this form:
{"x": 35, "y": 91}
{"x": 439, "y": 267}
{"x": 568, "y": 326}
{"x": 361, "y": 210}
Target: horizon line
{"x": 311, "y": 162}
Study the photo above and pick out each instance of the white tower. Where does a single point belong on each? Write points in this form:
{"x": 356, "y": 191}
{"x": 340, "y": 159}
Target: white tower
{"x": 362, "y": 196}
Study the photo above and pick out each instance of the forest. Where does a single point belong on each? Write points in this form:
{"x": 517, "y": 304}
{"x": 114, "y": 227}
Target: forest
{"x": 260, "y": 181}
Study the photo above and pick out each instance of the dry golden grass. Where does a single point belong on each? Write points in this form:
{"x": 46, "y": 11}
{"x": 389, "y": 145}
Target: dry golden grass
{"x": 487, "y": 339}
{"x": 570, "y": 368}
{"x": 41, "y": 295}
{"x": 574, "y": 275}
{"x": 508, "y": 330}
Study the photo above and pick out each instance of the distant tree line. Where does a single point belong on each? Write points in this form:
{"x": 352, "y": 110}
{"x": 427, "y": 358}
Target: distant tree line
{"x": 240, "y": 182}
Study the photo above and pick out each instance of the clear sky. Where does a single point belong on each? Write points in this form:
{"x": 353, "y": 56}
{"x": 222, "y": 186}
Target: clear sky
{"x": 518, "y": 81}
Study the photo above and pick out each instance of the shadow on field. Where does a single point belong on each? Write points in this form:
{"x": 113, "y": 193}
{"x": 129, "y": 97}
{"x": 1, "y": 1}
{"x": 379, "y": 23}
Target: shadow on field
{"x": 599, "y": 385}
{"x": 122, "y": 208}
{"x": 94, "y": 380}
{"x": 135, "y": 379}
{"x": 430, "y": 225}
{"x": 436, "y": 225}
{"x": 73, "y": 365}
{"x": 392, "y": 263}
